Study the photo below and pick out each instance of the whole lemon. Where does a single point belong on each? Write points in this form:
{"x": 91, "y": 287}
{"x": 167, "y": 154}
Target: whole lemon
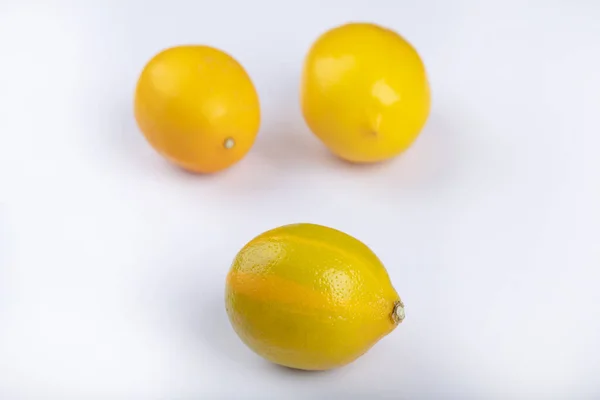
{"x": 198, "y": 107}
{"x": 310, "y": 297}
{"x": 364, "y": 92}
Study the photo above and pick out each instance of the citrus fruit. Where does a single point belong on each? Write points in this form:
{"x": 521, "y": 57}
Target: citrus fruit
{"x": 310, "y": 297}
{"x": 364, "y": 92}
{"x": 197, "y": 106}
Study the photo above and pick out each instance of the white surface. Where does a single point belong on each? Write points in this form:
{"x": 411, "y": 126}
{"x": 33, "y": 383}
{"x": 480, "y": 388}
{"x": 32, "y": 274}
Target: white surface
{"x": 112, "y": 263}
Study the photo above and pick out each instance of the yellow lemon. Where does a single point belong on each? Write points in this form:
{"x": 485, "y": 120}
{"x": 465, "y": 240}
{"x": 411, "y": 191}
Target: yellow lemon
{"x": 198, "y": 107}
{"x": 364, "y": 92}
{"x": 310, "y": 297}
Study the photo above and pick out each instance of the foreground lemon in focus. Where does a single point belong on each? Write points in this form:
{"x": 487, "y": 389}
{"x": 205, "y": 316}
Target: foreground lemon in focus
{"x": 198, "y": 107}
{"x": 310, "y": 297}
{"x": 364, "y": 92}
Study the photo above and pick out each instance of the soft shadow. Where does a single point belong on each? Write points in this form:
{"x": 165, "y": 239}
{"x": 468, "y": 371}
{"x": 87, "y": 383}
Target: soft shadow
{"x": 285, "y": 142}
{"x": 375, "y": 394}
{"x": 117, "y": 140}
{"x": 432, "y": 158}
{"x": 292, "y": 373}
{"x": 428, "y": 167}
{"x": 206, "y": 318}
{"x": 114, "y": 139}
{"x": 351, "y": 374}
{"x": 288, "y": 145}
{"x": 283, "y": 147}
{"x": 192, "y": 310}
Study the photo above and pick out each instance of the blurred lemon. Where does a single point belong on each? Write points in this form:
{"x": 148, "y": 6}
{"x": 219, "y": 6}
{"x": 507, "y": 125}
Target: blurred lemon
{"x": 310, "y": 297}
{"x": 198, "y": 107}
{"x": 364, "y": 92}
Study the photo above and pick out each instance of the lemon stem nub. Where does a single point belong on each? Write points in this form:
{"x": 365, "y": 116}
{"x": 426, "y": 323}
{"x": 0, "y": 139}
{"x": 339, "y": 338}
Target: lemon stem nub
{"x": 229, "y": 143}
{"x": 398, "y": 314}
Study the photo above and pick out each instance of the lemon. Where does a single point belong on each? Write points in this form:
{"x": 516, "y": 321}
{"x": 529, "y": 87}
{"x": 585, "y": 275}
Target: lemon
{"x": 310, "y": 297}
{"x": 364, "y": 92}
{"x": 197, "y": 106}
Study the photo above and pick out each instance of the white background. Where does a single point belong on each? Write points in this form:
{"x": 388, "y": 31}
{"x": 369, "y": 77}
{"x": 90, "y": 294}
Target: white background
{"x": 112, "y": 262}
